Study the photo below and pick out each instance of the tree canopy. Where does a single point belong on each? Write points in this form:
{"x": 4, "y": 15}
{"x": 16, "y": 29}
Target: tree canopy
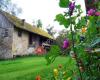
{"x": 39, "y": 23}
{"x": 8, "y": 6}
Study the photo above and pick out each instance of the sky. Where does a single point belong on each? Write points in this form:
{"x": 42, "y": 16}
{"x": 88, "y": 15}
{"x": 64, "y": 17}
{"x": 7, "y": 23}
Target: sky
{"x": 46, "y": 10}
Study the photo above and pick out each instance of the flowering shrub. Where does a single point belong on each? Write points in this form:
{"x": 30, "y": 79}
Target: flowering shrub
{"x": 83, "y": 40}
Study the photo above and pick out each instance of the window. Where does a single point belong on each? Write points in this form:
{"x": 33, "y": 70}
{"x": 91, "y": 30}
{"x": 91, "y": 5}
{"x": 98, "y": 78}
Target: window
{"x": 19, "y": 33}
{"x": 6, "y": 33}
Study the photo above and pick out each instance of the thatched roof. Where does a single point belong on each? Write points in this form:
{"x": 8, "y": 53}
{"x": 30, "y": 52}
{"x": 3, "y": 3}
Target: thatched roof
{"x": 28, "y": 27}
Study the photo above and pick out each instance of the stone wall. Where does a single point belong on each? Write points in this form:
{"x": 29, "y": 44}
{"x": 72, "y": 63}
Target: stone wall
{"x": 20, "y": 43}
{"x": 6, "y": 30}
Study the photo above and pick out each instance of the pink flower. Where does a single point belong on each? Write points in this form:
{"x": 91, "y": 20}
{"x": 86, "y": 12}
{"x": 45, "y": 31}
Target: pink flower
{"x": 65, "y": 44}
{"x": 91, "y": 12}
{"x": 97, "y": 13}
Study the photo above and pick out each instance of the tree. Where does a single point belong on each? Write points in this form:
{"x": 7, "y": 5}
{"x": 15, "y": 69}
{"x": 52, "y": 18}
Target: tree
{"x": 4, "y": 4}
{"x": 8, "y": 6}
{"x": 14, "y": 10}
{"x": 51, "y": 30}
{"x": 39, "y": 23}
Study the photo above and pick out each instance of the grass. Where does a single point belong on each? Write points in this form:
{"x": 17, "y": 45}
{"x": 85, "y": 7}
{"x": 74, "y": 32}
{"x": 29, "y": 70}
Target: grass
{"x": 27, "y": 68}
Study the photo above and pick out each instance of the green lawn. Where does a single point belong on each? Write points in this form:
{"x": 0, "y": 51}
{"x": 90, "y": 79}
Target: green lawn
{"x": 27, "y": 68}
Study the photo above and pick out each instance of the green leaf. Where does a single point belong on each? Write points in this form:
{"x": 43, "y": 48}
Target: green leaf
{"x": 91, "y": 29}
{"x": 98, "y": 24}
{"x": 98, "y": 21}
{"x": 93, "y": 19}
{"x": 78, "y": 6}
{"x": 62, "y": 20}
{"x": 63, "y": 3}
{"x": 52, "y": 54}
{"x": 73, "y": 19}
{"x": 81, "y": 23}
{"x": 95, "y": 42}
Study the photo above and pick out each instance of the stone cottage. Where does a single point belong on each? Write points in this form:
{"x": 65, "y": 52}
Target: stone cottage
{"x": 17, "y": 36}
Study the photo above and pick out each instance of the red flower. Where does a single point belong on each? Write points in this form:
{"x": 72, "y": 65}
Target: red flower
{"x": 40, "y": 50}
{"x": 38, "y": 78}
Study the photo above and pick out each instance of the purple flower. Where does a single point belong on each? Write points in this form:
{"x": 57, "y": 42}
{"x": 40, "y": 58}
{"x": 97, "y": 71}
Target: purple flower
{"x": 65, "y": 44}
{"x": 91, "y": 12}
{"x": 71, "y": 7}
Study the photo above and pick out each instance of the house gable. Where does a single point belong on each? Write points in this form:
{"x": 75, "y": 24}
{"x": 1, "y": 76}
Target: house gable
{"x": 6, "y": 34}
